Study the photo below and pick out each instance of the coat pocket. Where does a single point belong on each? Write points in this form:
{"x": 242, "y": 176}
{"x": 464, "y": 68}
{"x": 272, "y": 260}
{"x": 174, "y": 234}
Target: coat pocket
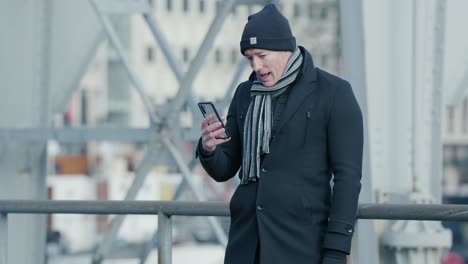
{"x": 315, "y": 209}
{"x": 307, "y": 125}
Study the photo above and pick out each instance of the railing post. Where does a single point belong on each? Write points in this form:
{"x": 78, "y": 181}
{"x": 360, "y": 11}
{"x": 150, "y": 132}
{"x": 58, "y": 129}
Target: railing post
{"x": 3, "y": 238}
{"x": 165, "y": 238}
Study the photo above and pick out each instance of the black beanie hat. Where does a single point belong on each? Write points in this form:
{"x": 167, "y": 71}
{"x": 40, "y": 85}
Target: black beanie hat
{"x": 268, "y": 29}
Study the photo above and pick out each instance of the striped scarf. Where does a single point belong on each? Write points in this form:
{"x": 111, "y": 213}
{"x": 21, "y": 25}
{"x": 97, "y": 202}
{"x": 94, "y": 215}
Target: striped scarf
{"x": 258, "y": 121}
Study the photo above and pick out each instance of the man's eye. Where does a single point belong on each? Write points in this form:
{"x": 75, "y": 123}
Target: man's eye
{"x": 262, "y": 56}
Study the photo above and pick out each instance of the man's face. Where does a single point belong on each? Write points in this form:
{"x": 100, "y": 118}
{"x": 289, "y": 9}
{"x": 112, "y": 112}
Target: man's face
{"x": 267, "y": 64}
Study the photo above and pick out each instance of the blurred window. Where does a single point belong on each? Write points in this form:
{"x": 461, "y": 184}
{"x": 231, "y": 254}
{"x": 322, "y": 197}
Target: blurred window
{"x": 169, "y": 5}
{"x": 218, "y": 56}
{"x": 185, "y": 54}
{"x": 297, "y": 10}
{"x": 234, "y": 53}
{"x": 202, "y": 6}
{"x": 149, "y": 54}
{"x": 186, "y": 6}
{"x": 323, "y": 12}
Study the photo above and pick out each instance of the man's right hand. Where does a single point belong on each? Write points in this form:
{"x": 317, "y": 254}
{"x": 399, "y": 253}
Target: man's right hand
{"x": 209, "y": 134}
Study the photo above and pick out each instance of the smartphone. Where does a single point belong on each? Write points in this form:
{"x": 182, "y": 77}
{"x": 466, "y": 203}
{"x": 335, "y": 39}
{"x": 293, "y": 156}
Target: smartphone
{"x": 207, "y": 108}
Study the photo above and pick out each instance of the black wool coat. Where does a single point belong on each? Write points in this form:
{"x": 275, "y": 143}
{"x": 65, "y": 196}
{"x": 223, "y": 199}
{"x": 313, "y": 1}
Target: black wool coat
{"x": 292, "y": 211}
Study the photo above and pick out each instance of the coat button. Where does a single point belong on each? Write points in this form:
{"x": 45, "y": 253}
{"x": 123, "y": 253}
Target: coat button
{"x": 350, "y": 230}
{"x": 260, "y": 207}
{"x": 264, "y": 170}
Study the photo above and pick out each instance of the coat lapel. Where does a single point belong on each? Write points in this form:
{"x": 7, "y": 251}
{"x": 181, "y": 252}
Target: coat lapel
{"x": 301, "y": 90}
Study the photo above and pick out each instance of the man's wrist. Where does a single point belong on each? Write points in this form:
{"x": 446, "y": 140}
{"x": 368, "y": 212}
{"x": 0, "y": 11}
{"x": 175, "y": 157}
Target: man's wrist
{"x": 202, "y": 152}
{"x": 206, "y": 153}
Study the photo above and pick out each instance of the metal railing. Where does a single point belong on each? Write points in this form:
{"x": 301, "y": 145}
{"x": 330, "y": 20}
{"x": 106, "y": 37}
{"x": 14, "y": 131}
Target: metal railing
{"x": 166, "y": 209}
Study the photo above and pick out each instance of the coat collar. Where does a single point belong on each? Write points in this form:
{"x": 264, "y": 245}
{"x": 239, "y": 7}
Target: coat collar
{"x": 304, "y": 85}
{"x": 301, "y": 89}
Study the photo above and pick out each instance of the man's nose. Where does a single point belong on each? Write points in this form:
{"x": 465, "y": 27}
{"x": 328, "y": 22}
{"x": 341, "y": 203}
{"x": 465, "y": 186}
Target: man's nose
{"x": 256, "y": 65}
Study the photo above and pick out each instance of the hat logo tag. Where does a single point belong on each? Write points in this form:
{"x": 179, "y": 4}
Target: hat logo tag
{"x": 253, "y": 41}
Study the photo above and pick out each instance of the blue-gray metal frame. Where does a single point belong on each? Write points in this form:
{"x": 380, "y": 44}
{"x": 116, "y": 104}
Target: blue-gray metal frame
{"x": 165, "y": 238}
{"x": 185, "y": 85}
{"x": 233, "y": 84}
{"x": 141, "y": 171}
{"x": 3, "y": 238}
{"x": 177, "y": 70}
{"x": 148, "y": 246}
{"x": 116, "y": 223}
{"x": 115, "y": 207}
{"x": 373, "y": 211}
{"x": 195, "y": 65}
{"x": 61, "y": 103}
{"x": 180, "y": 98}
{"x": 79, "y": 135}
{"x": 415, "y": 127}
{"x": 39, "y": 150}
{"x": 132, "y": 75}
{"x": 151, "y": 21}
{"x": 103, "y": 7}
{"x": 166, "y": 209}
{"x": 45, "y": 65}
{"x": 199, "y": 195}
{"x": 123, "y": 6}
{"x": 352, "y": 35}
{"x": 437, "y": 99}
{"x": 171, "y": 60}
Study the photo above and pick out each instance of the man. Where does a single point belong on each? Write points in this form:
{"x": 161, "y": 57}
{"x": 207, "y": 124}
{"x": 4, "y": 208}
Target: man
{"x": 292, "y": 126}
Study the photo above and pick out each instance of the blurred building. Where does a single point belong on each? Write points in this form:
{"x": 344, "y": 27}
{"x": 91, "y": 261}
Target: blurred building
{"x": 184, "y": 24}
{"x": 456, "y": 149}
{"x": 456, "y": 173}
{"x": 106, "y": 97}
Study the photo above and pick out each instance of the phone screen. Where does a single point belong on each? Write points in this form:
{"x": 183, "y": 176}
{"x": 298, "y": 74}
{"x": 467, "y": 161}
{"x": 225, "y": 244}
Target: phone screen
{"x": 207, "y": 108}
